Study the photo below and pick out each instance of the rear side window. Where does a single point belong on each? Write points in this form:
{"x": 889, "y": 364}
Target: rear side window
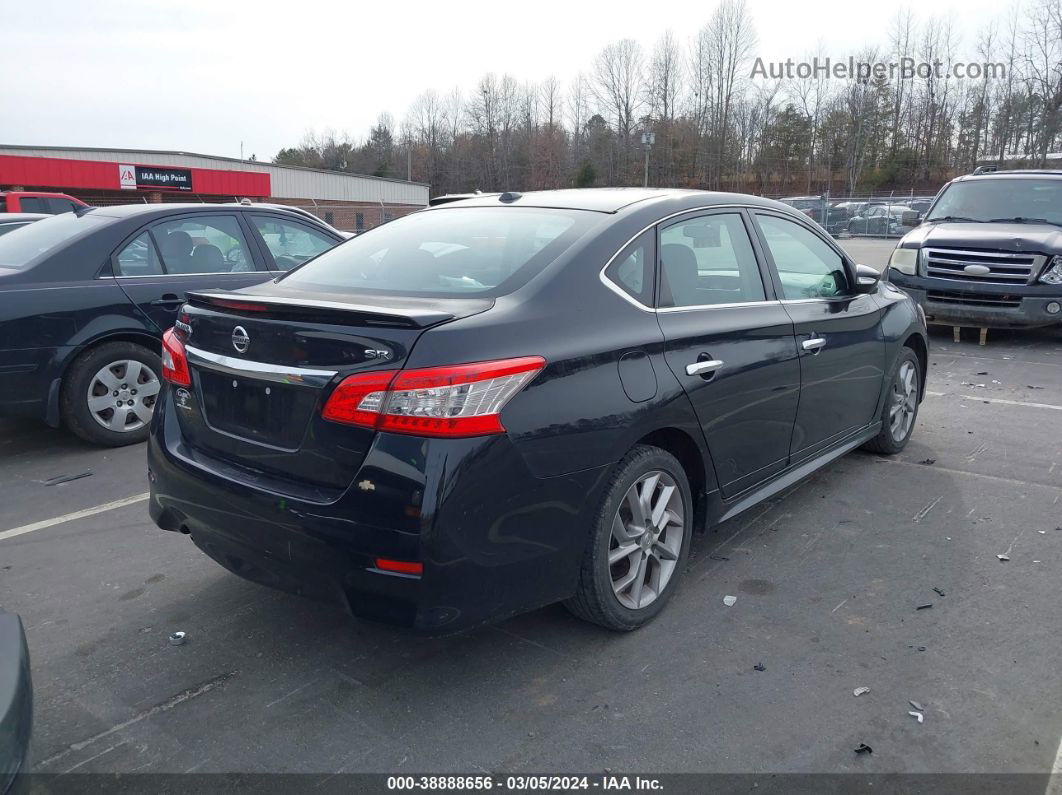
{"x": 455, "y": 252}
{"x": 32, "y": 204}
{"x": 632, "y": 270}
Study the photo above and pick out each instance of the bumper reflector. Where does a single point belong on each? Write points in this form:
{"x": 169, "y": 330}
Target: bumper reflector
{"x": 400, "y": 566}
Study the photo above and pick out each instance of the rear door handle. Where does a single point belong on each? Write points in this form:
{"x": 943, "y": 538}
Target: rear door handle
{"x": 701, "y": 368}
{"x": 813, "y": 345}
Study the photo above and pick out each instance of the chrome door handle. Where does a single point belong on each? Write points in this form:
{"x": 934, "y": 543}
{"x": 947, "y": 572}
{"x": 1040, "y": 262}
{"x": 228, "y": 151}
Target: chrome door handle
{"x": 814, "y": 345}
{"x": 700, "y": 368}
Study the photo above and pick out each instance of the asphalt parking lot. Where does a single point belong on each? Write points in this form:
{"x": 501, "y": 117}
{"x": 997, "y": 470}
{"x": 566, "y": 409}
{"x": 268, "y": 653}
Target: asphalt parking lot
{"x": 828, "y": 577}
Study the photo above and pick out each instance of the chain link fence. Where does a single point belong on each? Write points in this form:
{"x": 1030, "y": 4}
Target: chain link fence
{"x": 886, "y": 214}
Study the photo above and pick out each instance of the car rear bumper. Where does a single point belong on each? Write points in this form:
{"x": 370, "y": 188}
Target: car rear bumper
{"x": 16, "y": 700}
{"x": 954, "y": 302}
{"x": 493, "y": 539}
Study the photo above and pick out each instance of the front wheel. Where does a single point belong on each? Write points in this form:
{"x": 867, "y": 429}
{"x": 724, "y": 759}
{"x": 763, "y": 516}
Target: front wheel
{"x": 901, "y": 406}
{"x": 639, "y": 543}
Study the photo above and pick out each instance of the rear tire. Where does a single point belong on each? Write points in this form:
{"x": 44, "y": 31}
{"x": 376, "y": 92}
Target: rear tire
{"x": 632, "y": 563}
{"x": 98, "y": 381}
{"x": 900, "y": 411}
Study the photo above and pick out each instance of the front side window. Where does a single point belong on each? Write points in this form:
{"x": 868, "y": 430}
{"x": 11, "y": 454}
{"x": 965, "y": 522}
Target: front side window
{"x": 706, "y": 261}
{"x": 807, "y": 266}
{"x": 460, "y": 251}
{"x": 290, "y": 243}
{"x": 203, "y": 244}
{"x": 138, "y": 258}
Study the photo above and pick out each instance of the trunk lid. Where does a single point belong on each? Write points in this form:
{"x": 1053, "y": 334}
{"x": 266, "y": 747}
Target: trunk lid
{"x": 263, "y": 363}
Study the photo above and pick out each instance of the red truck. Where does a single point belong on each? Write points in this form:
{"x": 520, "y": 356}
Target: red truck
{"x": 25, "y": 201}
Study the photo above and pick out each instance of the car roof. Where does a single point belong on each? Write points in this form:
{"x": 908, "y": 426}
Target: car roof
{"x": 1010, "y": 174}
{"x": 604, "y": 200}
{"x": 148, "y": 210}
{"x": 9, "y": 218}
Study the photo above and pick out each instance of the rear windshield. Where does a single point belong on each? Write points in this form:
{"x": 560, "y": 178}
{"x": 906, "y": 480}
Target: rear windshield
{"x": 1001, "y": 198}
{"x": 454, "y": 252}
{"x": 23, "y": 245}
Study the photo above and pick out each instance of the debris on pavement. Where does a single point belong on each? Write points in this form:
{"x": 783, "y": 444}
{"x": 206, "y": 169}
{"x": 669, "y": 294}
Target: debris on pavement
{"x": 729, "y": 600}
{"x": 177, "y": 638}
{"x": 918, "y": 715}
{"x": 916, "y": 705}
{"x": 718, "y": 557}
{"x": 928, "y": 462}
{"x": 759, "y": 667}
{"x": 1042, "y": 532}
{"x": 981, "y": 372}
{"x": 938, "y": 592}
{"x": 1003, "y": 558}
{"x": 66, "y": 478}
{"x": 925, "y": 606}
{"x": 860, "y": 691}
{"x": 864, "y": 749}
{"x": 1033, "y": 386}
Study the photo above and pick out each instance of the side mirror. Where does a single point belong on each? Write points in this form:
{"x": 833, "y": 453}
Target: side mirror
{"x": 911, "y": 218}
{"x": 866, "y": 278}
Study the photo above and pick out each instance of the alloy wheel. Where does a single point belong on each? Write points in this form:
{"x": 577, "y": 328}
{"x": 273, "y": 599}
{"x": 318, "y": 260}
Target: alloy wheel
{"x": 122, "y": 394}
{"x": 904, "y": 401}
{"x": 647, "y": 536}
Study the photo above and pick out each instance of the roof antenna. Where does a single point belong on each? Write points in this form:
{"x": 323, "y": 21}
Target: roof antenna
{"x": 80, "y": 211}
{"x": 509, "y": 196}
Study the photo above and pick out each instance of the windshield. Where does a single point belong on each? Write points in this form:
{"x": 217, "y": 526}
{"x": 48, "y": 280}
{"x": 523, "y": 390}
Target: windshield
{"x": 1004, "y": 197}
{"x": 23, "y": 245}
{"x": 456, "y": 252}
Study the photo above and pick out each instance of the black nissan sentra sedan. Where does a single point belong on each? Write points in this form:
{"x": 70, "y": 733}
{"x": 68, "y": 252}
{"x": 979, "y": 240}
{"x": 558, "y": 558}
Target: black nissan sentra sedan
{"x": 508, "y": 401}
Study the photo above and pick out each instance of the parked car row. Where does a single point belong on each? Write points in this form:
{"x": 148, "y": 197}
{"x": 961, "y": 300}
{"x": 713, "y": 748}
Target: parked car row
{"x": 873, "y": 217}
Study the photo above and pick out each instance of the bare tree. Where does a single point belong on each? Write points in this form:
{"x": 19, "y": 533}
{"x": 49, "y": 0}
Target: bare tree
{"x": 618, "y": 88}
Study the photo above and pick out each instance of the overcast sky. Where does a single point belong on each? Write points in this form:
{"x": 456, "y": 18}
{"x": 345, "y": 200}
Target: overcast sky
{"x": 204, "y": 75}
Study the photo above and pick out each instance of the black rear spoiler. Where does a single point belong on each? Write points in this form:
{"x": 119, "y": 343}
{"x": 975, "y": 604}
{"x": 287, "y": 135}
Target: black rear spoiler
{"x": 409, "y": 316}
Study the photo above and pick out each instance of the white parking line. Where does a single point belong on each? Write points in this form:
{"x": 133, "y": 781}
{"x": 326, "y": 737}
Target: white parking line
{"x": 1012, "y": 402}
{"x": 1054, "y": 781}
{"x": 107, "y": 506}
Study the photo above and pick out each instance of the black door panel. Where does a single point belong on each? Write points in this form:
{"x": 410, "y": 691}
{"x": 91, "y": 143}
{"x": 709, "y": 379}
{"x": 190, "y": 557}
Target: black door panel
{"x": 838, "y": 334}
{"x": 730, "y": 347}
{"x": 748, "y": 403}
{"x": 841, "y": 379}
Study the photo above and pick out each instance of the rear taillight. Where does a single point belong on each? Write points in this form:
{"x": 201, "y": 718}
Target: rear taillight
{"x": 174, "y": 362}
{"x": 460, "y": 400}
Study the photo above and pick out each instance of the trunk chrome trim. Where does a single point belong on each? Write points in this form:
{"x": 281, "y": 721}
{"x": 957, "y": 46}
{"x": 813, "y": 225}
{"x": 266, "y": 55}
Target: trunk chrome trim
{"x": 263, "y": 371}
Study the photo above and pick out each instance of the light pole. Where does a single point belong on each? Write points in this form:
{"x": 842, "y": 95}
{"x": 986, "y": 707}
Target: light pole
{"x": 648, "y": 139}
